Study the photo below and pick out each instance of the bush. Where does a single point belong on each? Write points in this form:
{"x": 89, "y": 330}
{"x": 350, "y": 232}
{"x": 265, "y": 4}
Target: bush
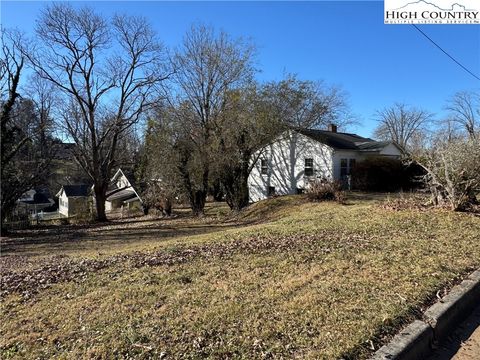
{"x": 382, "y": 174}
{"x": 453, "y": 172}
{"x": 323, "y": 190}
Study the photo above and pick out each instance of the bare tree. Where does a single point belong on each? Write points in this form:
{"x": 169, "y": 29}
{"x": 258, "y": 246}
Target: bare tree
{"x": 107, "y": 73}
{"x": 44, "y": 96}
{"x": 247, "y": 124}
{"x": 452, "y": 171}
{"x": 307, "y": 104}
{"x": 208, "y": 65}
{"x": 401, "y": 124}
{"x": 464, "y": 108}
{"x": 24, "y": 164}
{"x": 11, "y": 66}
{"x": 158, "y": 171}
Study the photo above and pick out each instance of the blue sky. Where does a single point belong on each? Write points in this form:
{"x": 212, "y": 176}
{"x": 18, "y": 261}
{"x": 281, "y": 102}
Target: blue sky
{"x": 344, "y": 43}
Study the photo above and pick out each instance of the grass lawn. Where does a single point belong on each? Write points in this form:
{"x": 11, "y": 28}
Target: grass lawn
{"x": 284, "y": 279}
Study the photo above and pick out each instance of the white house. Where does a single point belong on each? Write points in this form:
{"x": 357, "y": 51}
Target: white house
{"x": 73, "y": 199}
{"x": 121, "y": 193}
{"x": 33, "y": 202}
{"x": 297, "y": 156}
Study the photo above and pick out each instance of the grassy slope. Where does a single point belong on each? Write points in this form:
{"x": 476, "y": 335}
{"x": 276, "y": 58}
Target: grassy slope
{"x": 340, "y": 277}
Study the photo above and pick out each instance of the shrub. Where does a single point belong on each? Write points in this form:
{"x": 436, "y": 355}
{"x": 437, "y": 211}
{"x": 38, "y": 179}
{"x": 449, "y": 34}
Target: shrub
{"x": 381, "y": 174}
{"x": 452, "y": 172}
{"x": 323, "y": 190}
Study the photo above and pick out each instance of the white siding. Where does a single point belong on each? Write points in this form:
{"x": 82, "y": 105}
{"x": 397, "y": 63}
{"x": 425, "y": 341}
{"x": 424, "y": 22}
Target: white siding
{"x": 286, "y": 164}
{"x": 344, "y": 154}
{"x": 63, "y": 204}
{"x": 391, "y": 150}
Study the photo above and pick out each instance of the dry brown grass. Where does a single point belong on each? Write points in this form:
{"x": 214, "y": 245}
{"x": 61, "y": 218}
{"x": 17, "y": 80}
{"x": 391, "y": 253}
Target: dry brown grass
{"x": 313, "y": 280}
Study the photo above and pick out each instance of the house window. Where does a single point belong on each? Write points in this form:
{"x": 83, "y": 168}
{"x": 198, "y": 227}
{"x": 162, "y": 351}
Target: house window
{"x": 346, "y": 166}
{"x": 343, "y": 167}
{"x": 351, "y": 165}
{"x": 264, "y": 167}
{"x": 271, "y": 191}
{"x": 309, "y": 167}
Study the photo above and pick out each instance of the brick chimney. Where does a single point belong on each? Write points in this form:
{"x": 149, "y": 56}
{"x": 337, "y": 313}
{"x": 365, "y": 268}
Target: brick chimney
{"x": 332, "y": 128}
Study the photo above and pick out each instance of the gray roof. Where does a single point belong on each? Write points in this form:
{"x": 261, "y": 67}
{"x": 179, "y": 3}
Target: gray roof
{"x": 76, "y": 190}
{"x": 344, "y": 141}
{"x": 38, "y": 198}
{"x": 373, "y": 145}
{"x": 123, "y": 195}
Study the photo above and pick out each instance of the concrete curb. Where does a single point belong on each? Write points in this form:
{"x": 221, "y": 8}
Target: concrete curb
{"x": 415, "y": 341}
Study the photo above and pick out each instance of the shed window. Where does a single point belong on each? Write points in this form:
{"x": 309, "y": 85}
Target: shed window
{"x": 309, "y": 167}
{"x": 264, "y": 167}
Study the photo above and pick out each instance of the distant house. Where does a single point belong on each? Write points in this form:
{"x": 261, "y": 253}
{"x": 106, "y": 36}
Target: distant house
{"x": 33, "y": 202}
{"x": 73, "y": 199}
{"x": 287, "y": 165}
{"x": 121, "y": 193}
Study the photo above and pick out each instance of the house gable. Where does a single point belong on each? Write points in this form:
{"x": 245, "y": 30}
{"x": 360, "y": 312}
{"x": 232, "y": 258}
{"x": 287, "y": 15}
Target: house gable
{"x": 282, "y": 164}
{"x": 121, "y": 191}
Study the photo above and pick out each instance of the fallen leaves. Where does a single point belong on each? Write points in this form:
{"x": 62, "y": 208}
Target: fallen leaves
{"x": 31, "y": 281}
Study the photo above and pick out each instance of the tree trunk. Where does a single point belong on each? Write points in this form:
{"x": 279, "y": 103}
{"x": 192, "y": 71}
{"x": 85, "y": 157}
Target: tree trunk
{"x": 196, "y": 198}
{"x": 197, "y": 202}
{"x": 240, "y": 198}
{"x": 167, "y": 209}
{"x": 100, "y": 198}
{"x": 235, "y": 183}
{"x": 3, "y": 227}
{"x": 216, "y": 191}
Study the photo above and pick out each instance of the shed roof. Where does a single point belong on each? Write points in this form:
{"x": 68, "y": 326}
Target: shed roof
{"x": 76, "y": 190}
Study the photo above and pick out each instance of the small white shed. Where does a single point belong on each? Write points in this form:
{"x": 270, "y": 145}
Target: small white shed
{"x": 73, "y": 199}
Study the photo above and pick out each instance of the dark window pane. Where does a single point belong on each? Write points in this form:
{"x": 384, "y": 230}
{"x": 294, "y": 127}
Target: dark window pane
{"x": 309, "y": 167}
{"x": 264, "y": 167}
{"x": 343, "y": 167}
{"x": 271, "y": 191}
